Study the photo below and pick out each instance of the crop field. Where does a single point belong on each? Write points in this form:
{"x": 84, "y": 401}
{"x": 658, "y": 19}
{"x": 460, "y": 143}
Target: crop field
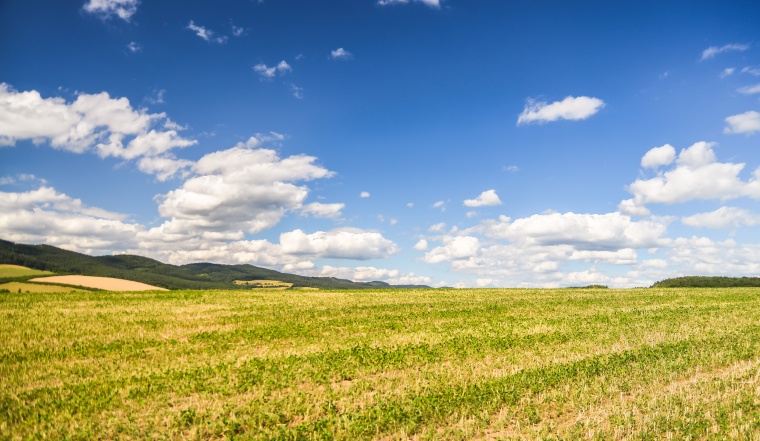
{"x": 8, "y": 271}
{"x": 388, "y": 364}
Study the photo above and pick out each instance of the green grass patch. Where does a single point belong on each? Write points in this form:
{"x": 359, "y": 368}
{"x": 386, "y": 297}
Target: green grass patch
{"x": 13, "y": 271}
{"x": 421, "y": 364}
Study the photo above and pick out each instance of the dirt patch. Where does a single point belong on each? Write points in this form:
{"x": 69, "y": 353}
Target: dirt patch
{"x": 107, "y": 283}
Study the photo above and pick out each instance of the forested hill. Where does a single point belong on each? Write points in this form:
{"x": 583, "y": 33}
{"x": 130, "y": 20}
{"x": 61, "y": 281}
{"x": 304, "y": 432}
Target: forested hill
{"x": 708, "y": 282}
{"x": 153, "y": 272}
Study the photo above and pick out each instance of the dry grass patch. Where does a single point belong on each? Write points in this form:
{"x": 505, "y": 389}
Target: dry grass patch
{"x": 105, "y": 283}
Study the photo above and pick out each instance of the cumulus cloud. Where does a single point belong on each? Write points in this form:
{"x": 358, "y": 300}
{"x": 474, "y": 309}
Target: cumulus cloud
{"x": 724, "y": 217}
{"x": 364, "y": 194}
{"x": 348, "y": 243}
{"x": 581, "y": 231}
{"x": 340, "y": 54}
{"x": 46, "y": 216}
{"x": 747, "y": 122}
{"x": 488, "y": 198}
{"x": 453, "y": 248}
{"x": 124, "y": 9}
{"x": 712, "y": 51}
{"x": 571, "y": 108}
{"x": 371, "y": 273}
{"x": 421, "y": 245}
{"x": 659, "y": 156}
{"x": 696, "y": 176}
{"x": 92, "y": 122}
{"x": 241, "y": 189}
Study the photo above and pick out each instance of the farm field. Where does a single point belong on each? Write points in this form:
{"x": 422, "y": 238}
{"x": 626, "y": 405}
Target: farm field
{"x": 387, "y": 364}
{"x": 8, "y": 271}
{"x": 34, "y": 287}
{"x": 107, "y": 283}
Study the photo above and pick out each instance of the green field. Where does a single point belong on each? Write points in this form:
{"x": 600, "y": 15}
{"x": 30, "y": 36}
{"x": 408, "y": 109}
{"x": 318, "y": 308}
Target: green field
{"x": 12, "y": 271}
{"x": 420, "y": 364}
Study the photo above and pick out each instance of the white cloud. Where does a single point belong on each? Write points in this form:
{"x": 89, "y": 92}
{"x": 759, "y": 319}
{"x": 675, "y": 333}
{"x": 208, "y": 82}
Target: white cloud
{"x": 696, "y": 176}
{"x": 581, "y": 231}
{"x": 349, "y": 243}
{"x": 441, "y": 205}
{"x": 747, "y": 122}
{"x": 165, "y": 167}
{"x": 370, "y": 273}
{"x": 571, "y": 108}
{"x": 240, "y": 189}
{"x": 750, "y": 90}
{"x": 659, "y": 156}
{"x": 47, "y": 216}
{"x": 95, "y": 123}
{"x": 329, "y": 211}
{"x": 340, "y": 54}
{"x": 431, "y": 3}
{"x": 267, "y": 72}
{"x": 421, "y": 245}
{"x": 712, "y": 51}
{"x": 724, "y": 217}
{"x": 123, "y": 9}
{"x": 453, "y": 248}
{"x": 205, "y": 33}
{"x": 751, "y": 70}
{"x": 364, "y": 194}
{"x": 134, "y": 47}
{"x": 727, "y": 72}
{"x": 488, "y": 198}
{"x": 511, "y": 168}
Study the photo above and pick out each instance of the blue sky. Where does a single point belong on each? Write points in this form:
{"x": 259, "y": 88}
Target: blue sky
{"x": 443, "y": 142}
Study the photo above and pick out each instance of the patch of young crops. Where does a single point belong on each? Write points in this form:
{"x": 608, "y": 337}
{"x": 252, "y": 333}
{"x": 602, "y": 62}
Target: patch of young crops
{"x": 387, "y": 364}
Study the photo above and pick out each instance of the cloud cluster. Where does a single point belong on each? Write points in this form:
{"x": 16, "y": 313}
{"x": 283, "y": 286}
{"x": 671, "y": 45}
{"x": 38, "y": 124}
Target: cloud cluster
{"x": 571, "y": 108}
{"x": 541, "y": 251}
{"x": 206, "y": 34}
{"x": 269, "y": 72}
{"x": 124, "y": 9}
{"x": 110, "y": 127}
{"x": 695, "y": 175}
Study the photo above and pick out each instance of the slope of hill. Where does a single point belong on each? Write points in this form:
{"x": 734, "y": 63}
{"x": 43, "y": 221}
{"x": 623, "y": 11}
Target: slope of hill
{"x": 153, "y": 272}
{"x": 708, "y": 282}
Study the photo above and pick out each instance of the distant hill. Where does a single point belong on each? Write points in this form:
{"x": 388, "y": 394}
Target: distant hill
{"x": 153, "y": 272}
{"x": 708, "y": 282}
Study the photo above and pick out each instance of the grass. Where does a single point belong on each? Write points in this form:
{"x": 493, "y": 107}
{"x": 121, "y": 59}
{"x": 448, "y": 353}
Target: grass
{"x": 13, "y": 271}
{"x": 387, "y": 364}
{"x": 264, "y": 284}
{"x": 33, "y": 287}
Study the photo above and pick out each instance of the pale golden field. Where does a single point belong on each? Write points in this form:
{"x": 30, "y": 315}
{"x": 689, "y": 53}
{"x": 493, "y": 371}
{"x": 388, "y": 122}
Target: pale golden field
{"x": 106, "y": 283}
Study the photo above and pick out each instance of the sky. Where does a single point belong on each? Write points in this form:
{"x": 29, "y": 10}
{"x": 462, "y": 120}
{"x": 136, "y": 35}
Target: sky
{"x": 487, "y": 143}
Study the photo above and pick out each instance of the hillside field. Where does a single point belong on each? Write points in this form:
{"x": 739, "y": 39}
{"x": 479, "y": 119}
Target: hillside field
{"x": 486, "y": 364}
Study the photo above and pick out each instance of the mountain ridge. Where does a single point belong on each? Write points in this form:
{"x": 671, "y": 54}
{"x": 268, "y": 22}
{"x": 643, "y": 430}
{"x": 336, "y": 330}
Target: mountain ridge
{"x": 203, "y": 275}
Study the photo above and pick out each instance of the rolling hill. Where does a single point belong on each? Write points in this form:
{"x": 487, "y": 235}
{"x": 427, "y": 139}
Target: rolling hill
{"x": 153, "y": 272}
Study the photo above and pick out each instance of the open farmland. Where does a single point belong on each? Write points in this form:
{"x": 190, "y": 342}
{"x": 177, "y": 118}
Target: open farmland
{"x": 107, "y": 283}
{"x": 10, "y": 271}
{"x": 420, "y": 364}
